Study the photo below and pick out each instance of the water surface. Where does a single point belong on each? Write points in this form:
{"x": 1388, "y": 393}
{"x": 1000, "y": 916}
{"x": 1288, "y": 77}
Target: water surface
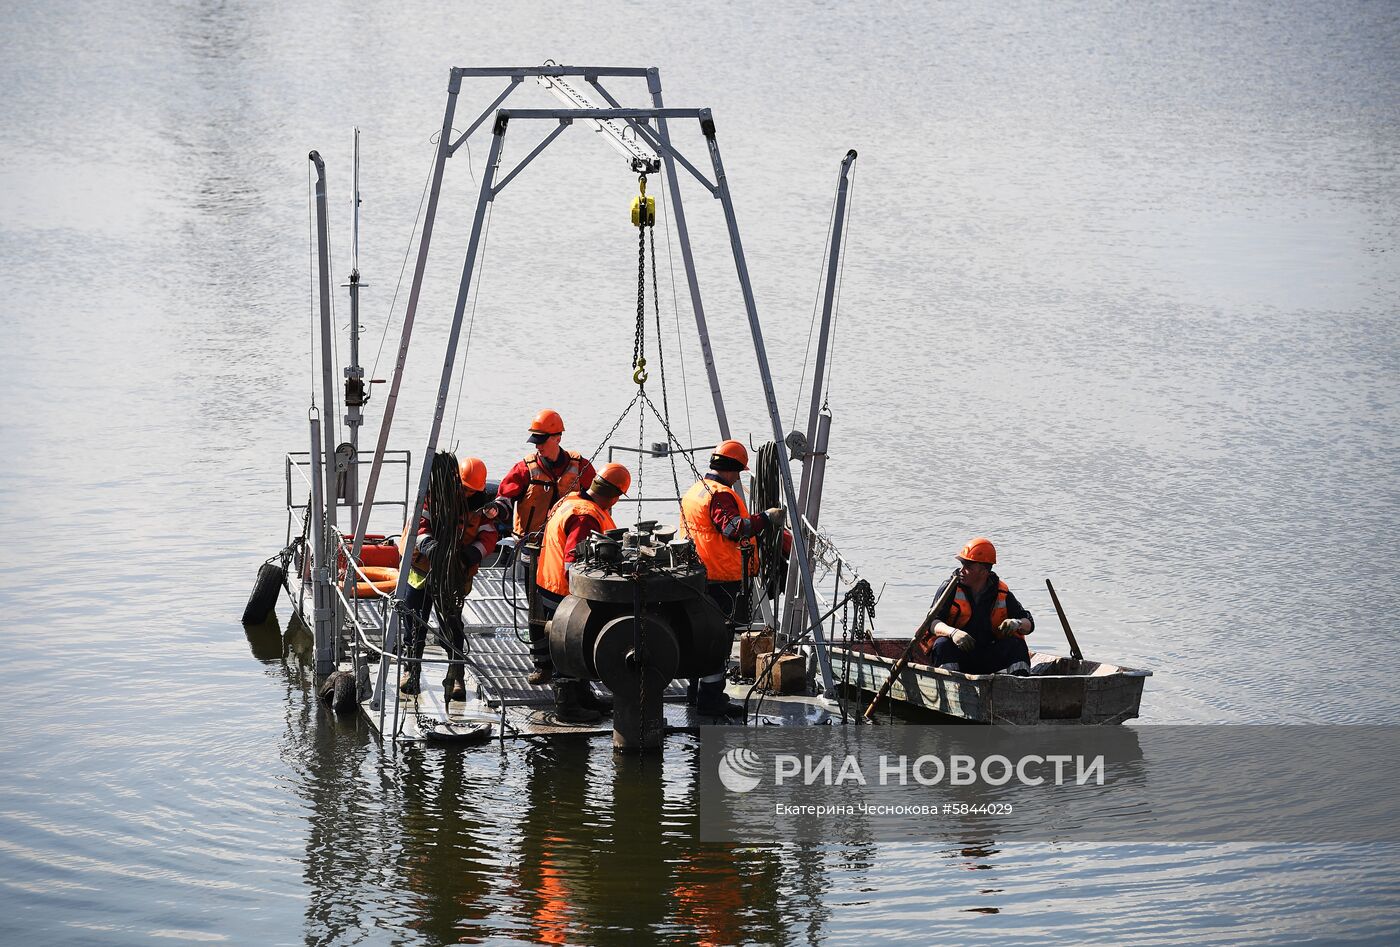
{"x": 1120, "y": 293}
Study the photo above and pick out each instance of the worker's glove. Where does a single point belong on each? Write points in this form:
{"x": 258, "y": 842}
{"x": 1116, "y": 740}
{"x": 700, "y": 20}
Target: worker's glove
{"x": 1014, "y": 626}
{"x": 426, "y": 545}
{"x": 777, "y": 516}
{"x": 497, "y": 509}
{"x": 963, "y": 640}
{"x": 472, "y": 555}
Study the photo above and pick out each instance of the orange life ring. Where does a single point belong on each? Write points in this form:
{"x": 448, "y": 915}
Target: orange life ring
{"x": 382, "y": 581}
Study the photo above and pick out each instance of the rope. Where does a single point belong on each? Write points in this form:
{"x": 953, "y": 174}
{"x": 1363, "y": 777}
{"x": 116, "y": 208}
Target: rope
{"x": 403, "y": 267}
{"x": 816, "y": 302}
{"x": 661, "y": 363}
{"x": 836, "y": 304}
{"x": 676, "y": 309}
{"x": 471, "y": 322}
{"x": 862, "y": 596}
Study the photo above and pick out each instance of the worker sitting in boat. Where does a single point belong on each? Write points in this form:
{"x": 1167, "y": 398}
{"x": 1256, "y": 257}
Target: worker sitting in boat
{"x": 476, "y": 537}
{"x": 715, "y": 518}
{"x": 574, "y": 519}
{"x": 983, "y": 627}
{"x": 534, "y": 485}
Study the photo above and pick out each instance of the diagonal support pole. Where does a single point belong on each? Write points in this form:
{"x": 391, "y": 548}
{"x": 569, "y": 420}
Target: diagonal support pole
{"x": 449, "y": 360}
{"x": 799, "y": 542}
{"x": 410, "y": 311}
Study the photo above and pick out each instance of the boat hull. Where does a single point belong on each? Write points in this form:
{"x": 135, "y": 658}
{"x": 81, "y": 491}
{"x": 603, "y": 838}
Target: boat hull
{"x": 1061, "y": 691}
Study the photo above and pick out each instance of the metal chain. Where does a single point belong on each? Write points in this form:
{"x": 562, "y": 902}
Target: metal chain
{"x": 671, "y": 437}
{"x": 616, "y": 424}
{"x": 639, "y": 361}
{"x": 641, "y": 452}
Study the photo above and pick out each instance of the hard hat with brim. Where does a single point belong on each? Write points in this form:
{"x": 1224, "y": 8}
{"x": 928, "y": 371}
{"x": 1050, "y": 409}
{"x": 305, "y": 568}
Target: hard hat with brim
{"x": 616, "y": 476}
{"x": 730, "y": 453}
{"x": 547, "y": 422}
{"x": 979, "y": 549}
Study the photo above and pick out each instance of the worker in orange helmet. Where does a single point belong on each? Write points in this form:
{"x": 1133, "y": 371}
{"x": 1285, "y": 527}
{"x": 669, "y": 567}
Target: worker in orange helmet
{"x": 534, "y": 485}
{"x": 983, "y": 627}
{"x": 475, "y": 536}
{"x": 574, "y": 519}
{"x": 715, "y": 518}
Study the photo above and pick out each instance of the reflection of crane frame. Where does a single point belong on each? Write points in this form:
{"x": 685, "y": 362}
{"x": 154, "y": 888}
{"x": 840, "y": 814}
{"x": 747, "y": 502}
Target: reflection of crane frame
{"x": 654, "y": 136}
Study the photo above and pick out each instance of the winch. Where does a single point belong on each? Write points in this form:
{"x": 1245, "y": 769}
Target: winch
{"x": 636, "y": 617}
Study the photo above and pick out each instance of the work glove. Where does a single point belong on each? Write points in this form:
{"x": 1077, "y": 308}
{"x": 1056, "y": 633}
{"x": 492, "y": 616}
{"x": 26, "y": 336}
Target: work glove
{"x": 1014, "y": 626}
{"x": 426, "y": 545}
{"x": 964, "y": 641}
{"x": 497, "y": 509}
{"x": 472, "y": 555}
{"x": 777, "y": 516}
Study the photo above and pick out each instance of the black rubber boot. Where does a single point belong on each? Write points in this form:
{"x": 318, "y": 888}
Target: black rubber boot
{"x": 539, "y": 641}
{"x": 454, "y": 684}
{"x": 567, "y": 706}
{"x": 590, "y": 699}
{"x": 712, "y": 701}
{"x": 411, "y": 680}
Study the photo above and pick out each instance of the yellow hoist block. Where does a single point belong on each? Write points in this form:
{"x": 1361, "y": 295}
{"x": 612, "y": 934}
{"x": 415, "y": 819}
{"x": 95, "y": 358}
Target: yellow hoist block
{"x": 643, "y": 207}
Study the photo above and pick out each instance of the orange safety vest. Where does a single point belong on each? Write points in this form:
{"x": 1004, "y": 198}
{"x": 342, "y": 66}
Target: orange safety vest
{"x": 472, "y": 523}
{"x": 960, "y": 612}
{"x": 723, "y": 558}
{"x": 551, "y": 573}
{"x": 544, "y": 490}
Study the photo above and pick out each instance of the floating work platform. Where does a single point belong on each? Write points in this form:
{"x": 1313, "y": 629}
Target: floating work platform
{"x": 500, "y": 697}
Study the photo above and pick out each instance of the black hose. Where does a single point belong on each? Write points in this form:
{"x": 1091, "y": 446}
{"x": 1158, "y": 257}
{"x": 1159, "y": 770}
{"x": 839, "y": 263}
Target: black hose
{"x": 447, "y": 574}
{"x": 768, "y": 493}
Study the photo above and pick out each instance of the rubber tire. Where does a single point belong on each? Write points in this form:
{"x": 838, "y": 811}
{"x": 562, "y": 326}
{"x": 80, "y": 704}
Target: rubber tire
{"x": 265, "y": 591}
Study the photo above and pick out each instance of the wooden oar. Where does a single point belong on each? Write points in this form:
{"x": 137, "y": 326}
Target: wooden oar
{"x": 949, "y": 590}
{"x": 1073, "y": 645}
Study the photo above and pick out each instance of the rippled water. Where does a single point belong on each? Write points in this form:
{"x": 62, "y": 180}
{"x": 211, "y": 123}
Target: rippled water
{"x": 1120, "y": 293}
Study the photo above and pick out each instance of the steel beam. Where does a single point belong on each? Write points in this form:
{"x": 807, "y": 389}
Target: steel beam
{"x": 444, "y": 384}
{"x": 805, "y": 495}
{"x": 414, "y": 292}
{"x": 799, "y": 542}
{"x": 688, "y": 260}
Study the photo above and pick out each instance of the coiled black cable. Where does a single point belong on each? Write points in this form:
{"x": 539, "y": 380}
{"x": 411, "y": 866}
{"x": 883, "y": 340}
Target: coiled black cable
{"x": 768, "y": 493}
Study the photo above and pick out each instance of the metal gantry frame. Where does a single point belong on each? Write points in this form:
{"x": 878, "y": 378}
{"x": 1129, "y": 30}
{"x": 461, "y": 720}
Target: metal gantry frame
{"x": 649, "y": 126}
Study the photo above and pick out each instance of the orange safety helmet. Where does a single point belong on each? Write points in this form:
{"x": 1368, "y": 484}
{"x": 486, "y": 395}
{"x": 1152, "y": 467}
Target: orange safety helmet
{"x": 547, "y": 422}
{"x": 616, "y": 475}
{"x": 735, "y": 451}
{"x": 979, "y": 549}
{"x": 472, "y": 471}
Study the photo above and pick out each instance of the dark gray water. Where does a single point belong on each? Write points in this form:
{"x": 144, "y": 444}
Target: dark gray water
{"x": 1121, "y": 294}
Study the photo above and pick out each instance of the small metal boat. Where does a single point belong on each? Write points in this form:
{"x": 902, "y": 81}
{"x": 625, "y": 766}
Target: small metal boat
{"x": 1059, "y": 690}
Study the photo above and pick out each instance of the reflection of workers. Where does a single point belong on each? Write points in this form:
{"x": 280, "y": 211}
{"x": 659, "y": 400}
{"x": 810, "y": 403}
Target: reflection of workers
{"x": 535, "y": 484}
{"x": 715, "y": 518}
{"x": 476, "y": 537}
{"x": 574, "y": 519}
{"x": 982, "y": 629}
